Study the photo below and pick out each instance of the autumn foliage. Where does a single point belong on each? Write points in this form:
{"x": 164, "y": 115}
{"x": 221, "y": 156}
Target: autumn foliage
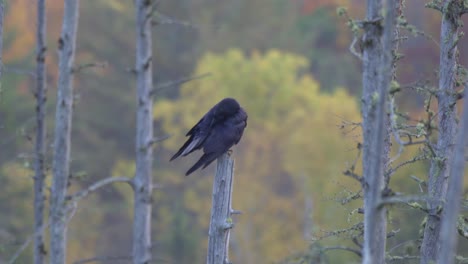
{"x": 286, "y": 62}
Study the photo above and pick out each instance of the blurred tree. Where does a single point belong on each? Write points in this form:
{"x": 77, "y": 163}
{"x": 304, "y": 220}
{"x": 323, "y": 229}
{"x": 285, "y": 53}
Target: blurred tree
{"x": 182, "y": 239}
{"x": 17, "y": 213}
{"x": 18, "y": 47}
{"x": 320, "y": 40}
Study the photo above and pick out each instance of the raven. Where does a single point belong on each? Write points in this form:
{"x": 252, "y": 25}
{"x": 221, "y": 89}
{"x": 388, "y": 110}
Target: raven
{"x": 216, "y": 132}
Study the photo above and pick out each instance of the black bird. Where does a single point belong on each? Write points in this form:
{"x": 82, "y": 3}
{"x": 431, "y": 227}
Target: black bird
{"x": 217, "y": 131}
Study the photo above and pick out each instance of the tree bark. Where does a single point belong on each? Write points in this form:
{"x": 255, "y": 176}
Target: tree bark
{"x": 2, "y": 14}
{"x": 62, "y": 145}
{"x": 443, "y": 149}
{"x": 142, "y": 181}
{"x": 448, "y": 234}
{"x": 378, "y": 43}
{"x": 221, "y": 209}
{"x": 40, "y": 147}
{"x": 374, "y": 224}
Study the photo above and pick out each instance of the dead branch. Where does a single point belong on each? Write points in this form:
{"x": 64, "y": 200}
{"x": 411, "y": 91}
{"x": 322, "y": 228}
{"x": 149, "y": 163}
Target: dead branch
{"x": 420, "y": 182}
{"x": 353, "y": 250}
{"x": 400, "y": 258}
{"x": 103, "y": 259}
{"x": 391, "y": 171}
{"x": 80, "y": 68}
{"x": 352, "y": 48}
{"x": 180, "y": 81}
{"x": 407, "y": 200}
{"x": 97, "y": 185}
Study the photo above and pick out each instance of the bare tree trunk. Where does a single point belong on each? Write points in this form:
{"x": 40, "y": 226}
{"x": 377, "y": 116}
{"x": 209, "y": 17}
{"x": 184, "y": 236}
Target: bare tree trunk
{"x": 377, "y": 69}
{"x": 40, "y": 148}
{"x": 144, "y": 138}
{"x": 448, "y": 235}
{"x": 221, "y": 210}
{"x": 63, "y": 117}
{"x": 374, "y": 224}
{"x": 440, "y": 166}
{"x": 2, "y": 14}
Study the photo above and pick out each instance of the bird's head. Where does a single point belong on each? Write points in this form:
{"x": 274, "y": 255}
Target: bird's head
{"x": 226, "y": 107}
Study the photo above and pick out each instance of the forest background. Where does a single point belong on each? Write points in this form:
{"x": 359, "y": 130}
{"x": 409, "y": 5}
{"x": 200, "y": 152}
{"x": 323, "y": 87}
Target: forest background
{"x": 286, "y": 61}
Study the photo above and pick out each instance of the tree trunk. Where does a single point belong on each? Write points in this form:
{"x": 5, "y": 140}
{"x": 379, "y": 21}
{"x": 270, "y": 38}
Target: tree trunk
{"x": 448, "y": 234}
{"x": 440, "y": 166}
{"x": 377, "y": 69}
{"x": 221, "y": 209}
{"x": 40, "y": 147}
{"x": 144, "y": 135}
{"x": 63, "y": 117}
{"x": 374, "y": 224}
{"x": 2, "y": 14}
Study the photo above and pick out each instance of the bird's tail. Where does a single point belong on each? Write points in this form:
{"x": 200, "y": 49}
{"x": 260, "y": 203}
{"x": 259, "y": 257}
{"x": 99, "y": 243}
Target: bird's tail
{"x": 204, "y": 161}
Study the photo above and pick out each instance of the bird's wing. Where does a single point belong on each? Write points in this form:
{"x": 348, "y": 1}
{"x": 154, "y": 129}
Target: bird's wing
{"x": 225, "y": 135}
{"x": 198, "y": 135}
{"x": 206, "y": 122}
{"x": 193, "y": 143}
{"x": 196, "y": 126}
{"x": 183, "y": 148}
{"x": 213, "y": 147}
{"x": 218, "y": 140}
